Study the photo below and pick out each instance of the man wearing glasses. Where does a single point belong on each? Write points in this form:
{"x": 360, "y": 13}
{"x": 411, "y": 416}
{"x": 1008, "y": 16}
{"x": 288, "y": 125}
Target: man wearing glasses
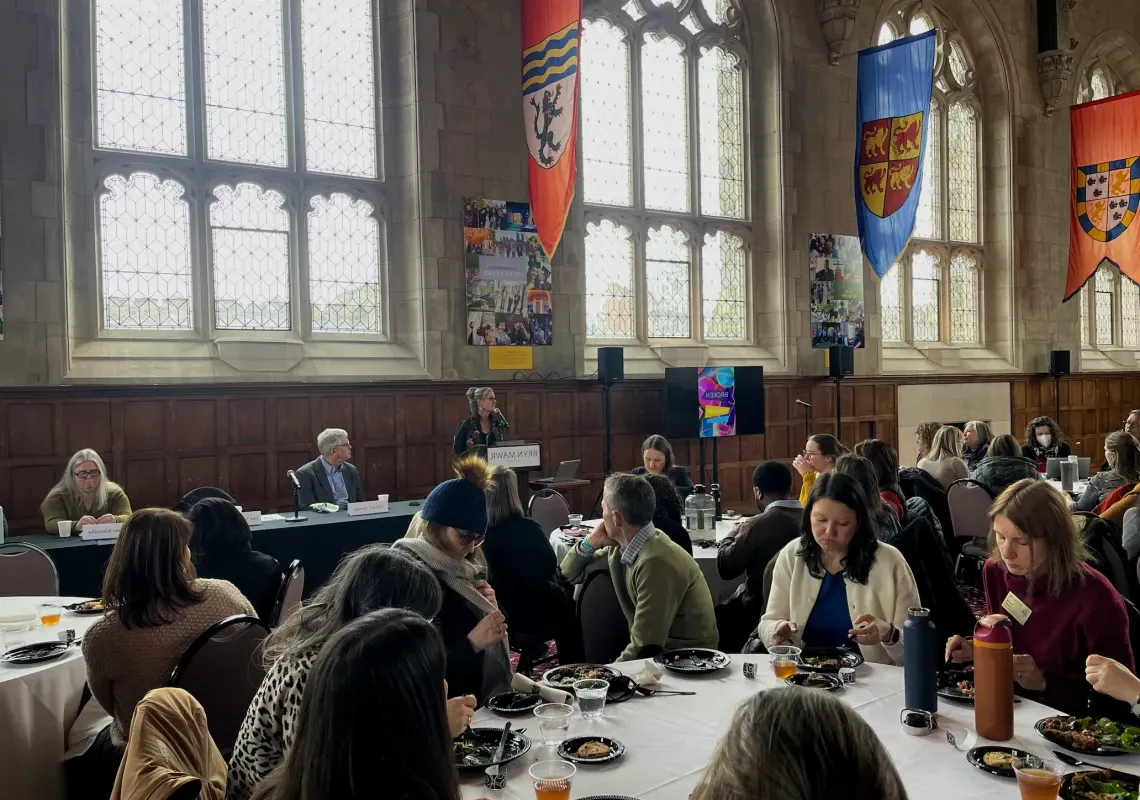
{"x": 330, "y": 478}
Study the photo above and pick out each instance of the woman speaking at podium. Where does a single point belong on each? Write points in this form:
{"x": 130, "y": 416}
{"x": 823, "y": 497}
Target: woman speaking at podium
{"x": 485, "y": 426}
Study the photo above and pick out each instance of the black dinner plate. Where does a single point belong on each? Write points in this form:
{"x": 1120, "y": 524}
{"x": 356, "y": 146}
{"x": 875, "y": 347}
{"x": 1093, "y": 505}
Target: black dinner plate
{"x": 37, "y": 653}
{"x": 1101, "y": 750}
{"x": 513, "y": 704}
{"x": 819, "y": 680}
{"x": 557, "y": 677}
{"x": 569, "y": 748}
{"x": 948, "y": 688}
{"x": 609, "y": 797}
{"x": 1067, "y": 792}
{"x": 845, "y": 657}
{"x": 975, "y": 758}
{"x": 81, "y": 608}
{"x": 517, "y": 745}
{"x": 692, "y": 660}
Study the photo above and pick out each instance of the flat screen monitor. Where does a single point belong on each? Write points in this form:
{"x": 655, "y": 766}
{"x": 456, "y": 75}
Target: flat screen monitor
{"x": 708, "y": 402}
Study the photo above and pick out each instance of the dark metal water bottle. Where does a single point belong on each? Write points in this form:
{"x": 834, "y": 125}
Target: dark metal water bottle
{"x": 920, "y": 660}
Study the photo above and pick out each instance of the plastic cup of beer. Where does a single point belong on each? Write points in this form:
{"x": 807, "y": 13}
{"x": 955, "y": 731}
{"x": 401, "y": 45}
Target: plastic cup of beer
{"x": 785, "y": 660}
{"x": 552, "y": 779}
{"x": 49, "y": 614}
{"x": 1037, "y": 778}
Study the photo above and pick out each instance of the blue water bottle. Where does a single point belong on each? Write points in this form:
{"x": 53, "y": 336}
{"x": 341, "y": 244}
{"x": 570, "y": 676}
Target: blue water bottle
{"x": 920, "y": 660}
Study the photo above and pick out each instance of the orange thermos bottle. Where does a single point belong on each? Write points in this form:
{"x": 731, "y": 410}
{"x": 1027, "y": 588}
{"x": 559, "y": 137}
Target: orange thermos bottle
{"x": 993, "y": 680}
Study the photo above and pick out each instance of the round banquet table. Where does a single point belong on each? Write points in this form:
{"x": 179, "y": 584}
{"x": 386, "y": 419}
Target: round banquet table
{"x": 670, "y": 739}
{"x": 38, "y": 704}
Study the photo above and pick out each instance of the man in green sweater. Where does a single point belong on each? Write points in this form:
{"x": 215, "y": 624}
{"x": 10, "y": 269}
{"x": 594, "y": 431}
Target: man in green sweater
{"x": 659, "y": 586}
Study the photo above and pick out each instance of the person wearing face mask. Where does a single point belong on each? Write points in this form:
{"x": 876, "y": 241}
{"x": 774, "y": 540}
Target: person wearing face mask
{"x": 1043, "y": 441}
{"x": 818, "y": 458}
{"x": 1123, "y": 456}
{"x": 1061, "y": 609}
{"x": 837, "y": 585}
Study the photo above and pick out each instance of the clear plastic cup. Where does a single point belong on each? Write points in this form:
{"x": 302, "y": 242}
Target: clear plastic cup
{"x": 591, "y": 694}
{"x": 552, "y": 779}
{"x": 1037, "y": 778}
{"x": 553, "y": 722}
{"x": 785, "y": 660}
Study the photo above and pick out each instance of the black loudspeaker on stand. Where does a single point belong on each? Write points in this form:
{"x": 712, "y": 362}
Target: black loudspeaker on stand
{"x": 611, "y": 369}
{"x": 1058, "y": 368}
{"x": 840, "y": 363}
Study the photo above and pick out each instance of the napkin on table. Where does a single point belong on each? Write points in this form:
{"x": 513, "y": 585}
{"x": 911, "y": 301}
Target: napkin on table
{"x": 523, "y": 684}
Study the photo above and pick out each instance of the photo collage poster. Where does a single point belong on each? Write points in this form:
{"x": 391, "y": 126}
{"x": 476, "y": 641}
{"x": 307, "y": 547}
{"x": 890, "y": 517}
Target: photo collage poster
{"x": 509, "y": 281}
{"x": 835, "y": 268}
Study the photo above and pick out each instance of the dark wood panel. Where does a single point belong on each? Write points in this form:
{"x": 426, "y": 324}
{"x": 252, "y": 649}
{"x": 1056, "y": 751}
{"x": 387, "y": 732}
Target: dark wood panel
{"x": 195, "y": 471}
{"x": 27, "y": 487}
{"x": 145, "y": 480}
{"x": 291, "y": 421}
{"x": 247, "y": 421}
{"x": 31, "y": 430}
{"x": 88, "y": 425}
{"x": 380, "y": 418}
{"x": 247, "y": 475}
{"x": 145, "y": 429}
{"x": 195, "y": 424}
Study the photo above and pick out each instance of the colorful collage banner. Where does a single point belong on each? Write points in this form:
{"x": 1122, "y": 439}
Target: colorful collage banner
{"x": 835, "y": 268}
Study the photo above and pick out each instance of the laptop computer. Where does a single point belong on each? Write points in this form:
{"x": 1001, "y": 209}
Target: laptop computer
{"x": 1053, "y": 468}
{"x": 565, "y": 472}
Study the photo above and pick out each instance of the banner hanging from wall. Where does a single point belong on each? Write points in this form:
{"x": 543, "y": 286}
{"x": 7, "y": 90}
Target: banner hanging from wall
{"x": 550, "y": 33}
{"x": 835, "y": 269}
{"x": 509, "y": 280}
{"x": 1106, "y": 189}
{"x": 895, "y": 81}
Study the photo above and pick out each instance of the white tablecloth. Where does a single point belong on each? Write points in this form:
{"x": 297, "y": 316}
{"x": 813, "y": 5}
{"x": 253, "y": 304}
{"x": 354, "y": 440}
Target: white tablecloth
{"x": 38, "y": 704}
{"x": 669, "y": 740}
{"x": 1078, "y": 488}
{"x": 705, "y": 556}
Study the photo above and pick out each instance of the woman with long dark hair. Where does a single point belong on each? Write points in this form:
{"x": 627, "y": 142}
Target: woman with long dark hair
{"x": 838, "y": 566}
{"x": 373, "y": 721}
{"x": 881, "y": 512}
{"x": 1043, "y": 441}
{"x": 222, "y": 548}
{"x": 667, "y": 513}
{"x": 885, "y": 459}
{"x": 657, "y": 457}
{"x": 1003, "y": 466}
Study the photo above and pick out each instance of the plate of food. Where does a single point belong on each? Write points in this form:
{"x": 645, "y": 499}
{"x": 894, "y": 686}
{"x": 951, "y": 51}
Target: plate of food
{"x": 996, "y": 760}
{"x": 828, "y": 659}
{"x": 475, "y": 749}
{"x": 591, "y": 749}
{"x": 86, "y": 607}
{"x": 566, "y": 676}
{"x": 1100, "y": 784}
{"x": 692, "y": 660}
{"x": 37, "y": 653}
{"x": 1088, "y": 736}
{"x": 957, "y": 686}
{"x": 511, "y": 704}
{"x": 815, "y": 680}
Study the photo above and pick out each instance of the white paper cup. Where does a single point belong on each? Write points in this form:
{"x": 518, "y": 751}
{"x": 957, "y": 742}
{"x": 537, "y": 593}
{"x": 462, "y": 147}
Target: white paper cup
{"x": 64, "y": 527}
{"x": 383, "y": 498}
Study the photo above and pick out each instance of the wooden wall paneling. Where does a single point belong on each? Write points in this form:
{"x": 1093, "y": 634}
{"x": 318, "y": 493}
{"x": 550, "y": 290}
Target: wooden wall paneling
{"x": 195, "y": 423}
{"x": 526, "y": 415}
{"x": 146, "y": 482}
{"x": 280, "y": 462}
{"x": 27, "y": 487}
{"x": 32, "y": 430}
{"x": 291, "y": 422}
{"x": 144, "y": 428}
{"x": 379, "y": 473}
{"x": 87, "y": 425}
{"x": 248, "y": 477}
{"x": 379, "y": 419}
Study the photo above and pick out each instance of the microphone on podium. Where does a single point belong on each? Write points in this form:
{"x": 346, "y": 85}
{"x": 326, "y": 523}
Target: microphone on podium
{"x": 293, "y": 477}
{"x": 503, "y": 418}
{"x": 296, "y": 498}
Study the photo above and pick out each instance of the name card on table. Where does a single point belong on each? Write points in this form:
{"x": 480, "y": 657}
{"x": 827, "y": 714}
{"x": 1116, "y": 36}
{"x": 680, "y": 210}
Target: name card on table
{"x": 107, "y": 530}
{"x": 368, "y": 507}
{"x": 252, "y": 517}
{"x": 514, "y": 456}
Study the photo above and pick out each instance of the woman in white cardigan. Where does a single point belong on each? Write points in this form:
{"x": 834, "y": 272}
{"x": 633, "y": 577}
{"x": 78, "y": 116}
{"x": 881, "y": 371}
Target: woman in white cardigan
{"x": 837, "y": 585}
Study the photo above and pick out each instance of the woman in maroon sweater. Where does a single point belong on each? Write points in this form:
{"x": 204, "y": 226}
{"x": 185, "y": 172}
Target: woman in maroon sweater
{"x": 1037, "y": 562}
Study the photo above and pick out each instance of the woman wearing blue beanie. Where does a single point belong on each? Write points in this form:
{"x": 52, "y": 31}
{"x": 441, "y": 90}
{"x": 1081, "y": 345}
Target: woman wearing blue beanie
{"x": 474, "y": 629}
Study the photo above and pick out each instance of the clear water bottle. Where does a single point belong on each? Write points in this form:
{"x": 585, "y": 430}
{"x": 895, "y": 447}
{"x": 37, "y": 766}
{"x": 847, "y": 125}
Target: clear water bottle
{"x": 700, "y": 515}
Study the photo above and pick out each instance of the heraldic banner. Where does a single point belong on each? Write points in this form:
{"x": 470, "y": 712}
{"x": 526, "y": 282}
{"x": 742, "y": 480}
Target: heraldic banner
{"x": 895, "y": 81}
{"x": 550, "y": 32}
{"x": 1106, "y": 189}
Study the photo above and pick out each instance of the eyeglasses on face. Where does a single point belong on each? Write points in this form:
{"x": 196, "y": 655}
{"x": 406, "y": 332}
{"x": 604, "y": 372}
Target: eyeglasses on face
{"x": 471, "y": 538}
{"x": 87, "y": 473}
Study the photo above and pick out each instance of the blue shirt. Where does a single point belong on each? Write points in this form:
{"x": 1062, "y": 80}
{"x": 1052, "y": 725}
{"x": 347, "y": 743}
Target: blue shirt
{"x": 830, "y": 620}
{"x": 336, "y": 481}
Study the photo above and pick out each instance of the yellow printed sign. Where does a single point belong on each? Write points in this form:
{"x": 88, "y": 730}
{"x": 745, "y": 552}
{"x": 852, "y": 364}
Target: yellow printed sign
{"x": 512, "y": 358}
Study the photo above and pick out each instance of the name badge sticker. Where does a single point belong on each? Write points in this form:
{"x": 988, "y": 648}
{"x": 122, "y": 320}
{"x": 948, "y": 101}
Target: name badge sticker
{"x": 1016, "y": 608}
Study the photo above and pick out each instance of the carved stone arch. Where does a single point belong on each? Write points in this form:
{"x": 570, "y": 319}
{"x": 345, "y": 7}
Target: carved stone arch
{"x": 1116, "y": 49}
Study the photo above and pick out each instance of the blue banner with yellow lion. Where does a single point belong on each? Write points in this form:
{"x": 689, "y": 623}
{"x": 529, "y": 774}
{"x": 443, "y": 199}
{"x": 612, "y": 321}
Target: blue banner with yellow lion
{"x": 895, "y": 81}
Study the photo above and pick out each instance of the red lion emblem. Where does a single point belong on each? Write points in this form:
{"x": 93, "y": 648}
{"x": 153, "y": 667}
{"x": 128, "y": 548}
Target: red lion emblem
{"x": 872, "y": 180}
{"x": 906, "y": 139}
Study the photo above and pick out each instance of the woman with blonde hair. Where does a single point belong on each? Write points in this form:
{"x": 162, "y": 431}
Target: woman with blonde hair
{"x": 1037, "y": 563}
{"x": 799, "y": 744}
{"x": 484, "y": 426}
{"x": 924, "y": 437}
{"x": 1123, "y": 456}
{"x": 84, "y": 495}
{"x": 944, "y": 462}
{"x": 818, "y": 458}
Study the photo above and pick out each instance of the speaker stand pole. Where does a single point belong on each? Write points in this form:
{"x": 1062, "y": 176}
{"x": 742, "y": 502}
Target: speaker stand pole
{"x": 701, "y": 448}
{"x": 606, "y": 413}
{"x": 838, "y": 409}
{"x": 1057, "y": 398}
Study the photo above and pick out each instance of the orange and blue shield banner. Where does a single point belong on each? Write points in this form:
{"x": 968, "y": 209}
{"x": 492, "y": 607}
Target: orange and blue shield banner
{"x": 1106, "y": 189}
{"x": 550, "y": 33}
{"x": 895, "y": 82}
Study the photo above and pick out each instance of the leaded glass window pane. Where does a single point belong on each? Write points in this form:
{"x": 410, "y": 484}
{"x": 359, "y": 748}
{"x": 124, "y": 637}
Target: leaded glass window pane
{"x": 609, "y": 281}
{"x": 607, "y": 176}
{"x": 344, "y": 265}
{"x": 667, "y": 270}
{"x": 924, "y": 287}
{"x": 963, "y": 299}
{"x": 665, "y": 123}
{"x": 1130, "y": 312}
{"x": 920, "y": 23}
{"x": 928, "y": 217}
{"x": 1099, "y": 86}
{"x": 140, "y": 76}
{"x": 634, "y": 9}
{"x": 144, "y": 254}
{"x": 716, "y": 9}
{"x": 338, "y": 63}
{"x": 249, "y": 236}
{"x": 891, "y": 301}
{"x": 958, "y": 67}
{"x": 1084, "y": 314}
{"x": 723, "y": 286}
{"x": 963, "y": 157}
{"x": 1104, "y": 285}
{"x": 722, "y": 134}
{"x": 244, "y": 64}
{"x": 886, "y": 34}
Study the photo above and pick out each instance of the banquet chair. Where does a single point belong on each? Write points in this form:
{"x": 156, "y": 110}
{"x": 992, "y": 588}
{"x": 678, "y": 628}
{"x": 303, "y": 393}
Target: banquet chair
{"x": 605, "y": 632}
{"x": 27, "y": 572}
{"x": 222, "y": 669}
{"x": 970, "y": 503}
{"x": 549, "y": 509}
{"x": 289, "y": 596}
{"x": 1103, "y": 541}
{"x": 195, "y": 496}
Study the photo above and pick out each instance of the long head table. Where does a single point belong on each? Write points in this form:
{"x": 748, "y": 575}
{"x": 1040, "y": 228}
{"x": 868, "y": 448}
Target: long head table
{"x": 319, "y": 541}
{"x": 670, "y": 739}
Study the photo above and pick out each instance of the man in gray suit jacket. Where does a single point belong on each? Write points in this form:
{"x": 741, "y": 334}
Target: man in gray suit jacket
{"x": 330, "y": 478}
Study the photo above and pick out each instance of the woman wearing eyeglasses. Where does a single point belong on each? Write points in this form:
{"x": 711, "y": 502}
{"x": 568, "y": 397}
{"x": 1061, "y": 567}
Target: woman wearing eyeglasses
{"x": 84, "y": 495}
{"x": 474, "y": 629}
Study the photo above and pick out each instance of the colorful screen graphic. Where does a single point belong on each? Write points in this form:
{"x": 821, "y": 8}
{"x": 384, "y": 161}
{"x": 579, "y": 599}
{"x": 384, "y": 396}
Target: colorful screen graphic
{"x": 717, "y": 400}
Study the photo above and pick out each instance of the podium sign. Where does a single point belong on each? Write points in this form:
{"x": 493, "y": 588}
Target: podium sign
{"x": 515, "y": 456}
